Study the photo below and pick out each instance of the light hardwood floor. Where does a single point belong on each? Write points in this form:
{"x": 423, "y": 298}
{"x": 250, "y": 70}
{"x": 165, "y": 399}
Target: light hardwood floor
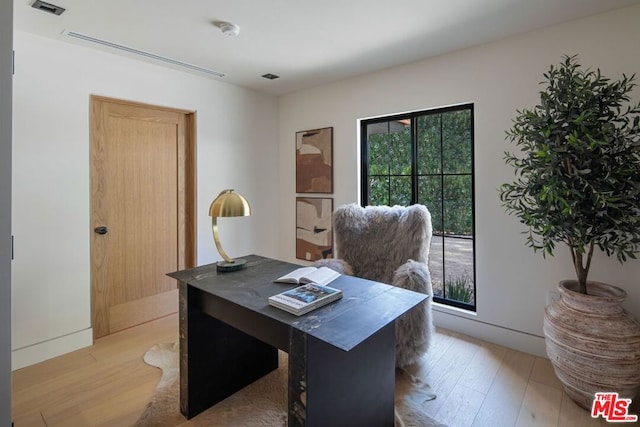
{"x": 107, "y": 384}
{"x": 477, "y": 383}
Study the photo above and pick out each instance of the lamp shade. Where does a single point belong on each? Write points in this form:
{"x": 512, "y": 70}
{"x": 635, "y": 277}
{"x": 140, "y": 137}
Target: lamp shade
{"x": 229, "y": 203}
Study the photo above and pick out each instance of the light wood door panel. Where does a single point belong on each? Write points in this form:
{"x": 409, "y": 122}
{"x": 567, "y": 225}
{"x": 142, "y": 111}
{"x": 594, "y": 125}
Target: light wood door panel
{"x": 143, "y": 192}
{"x": 141, "y": 206}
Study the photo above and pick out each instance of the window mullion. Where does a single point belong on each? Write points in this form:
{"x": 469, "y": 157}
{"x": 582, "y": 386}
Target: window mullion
{"x": 364, "y": 161}
{"x": 442, "y": 211}
{"x": 414, "y": 160}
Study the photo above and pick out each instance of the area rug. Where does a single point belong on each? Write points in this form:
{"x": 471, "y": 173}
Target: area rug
{"x": 261, "y": 404}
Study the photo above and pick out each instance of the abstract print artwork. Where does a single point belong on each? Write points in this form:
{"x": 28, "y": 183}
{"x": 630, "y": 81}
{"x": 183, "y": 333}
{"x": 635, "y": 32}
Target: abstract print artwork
{"x": 314, "y": 233}
{"x": 314, "y": 161}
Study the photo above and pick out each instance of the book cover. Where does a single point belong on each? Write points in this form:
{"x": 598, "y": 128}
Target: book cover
{"x": 305, "y": 298}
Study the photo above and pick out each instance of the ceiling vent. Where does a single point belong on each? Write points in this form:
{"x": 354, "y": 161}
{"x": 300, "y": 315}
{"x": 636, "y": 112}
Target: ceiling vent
{"x": 143, "y": 53}
{"x": 48, "y": 7}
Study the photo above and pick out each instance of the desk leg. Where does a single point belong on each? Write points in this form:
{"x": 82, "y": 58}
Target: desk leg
{"x": 216, "y": 360}
{"x": 331, "y": 387}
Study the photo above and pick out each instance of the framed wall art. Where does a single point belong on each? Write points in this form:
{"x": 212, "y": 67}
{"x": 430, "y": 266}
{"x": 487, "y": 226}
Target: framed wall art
{"x": 314, "y": 230}
{"x": 314, "y": 161}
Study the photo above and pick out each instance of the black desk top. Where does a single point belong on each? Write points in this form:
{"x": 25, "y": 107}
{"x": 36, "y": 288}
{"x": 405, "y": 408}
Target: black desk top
{"x": 364, "y": 309}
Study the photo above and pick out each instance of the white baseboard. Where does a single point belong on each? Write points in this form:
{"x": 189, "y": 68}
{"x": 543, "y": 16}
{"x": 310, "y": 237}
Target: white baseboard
{"x": 517, "y": 340}
{"x": 40, "y": 352}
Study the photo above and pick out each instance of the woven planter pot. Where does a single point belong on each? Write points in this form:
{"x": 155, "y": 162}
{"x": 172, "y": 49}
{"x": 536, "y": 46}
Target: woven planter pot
{"x": 592, "y": 343}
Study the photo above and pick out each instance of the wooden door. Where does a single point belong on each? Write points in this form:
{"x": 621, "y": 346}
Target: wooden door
{"x": 142, "y": 210}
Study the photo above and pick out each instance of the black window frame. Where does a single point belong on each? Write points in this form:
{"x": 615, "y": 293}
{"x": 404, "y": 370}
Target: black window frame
{"x": 364, "y": 180}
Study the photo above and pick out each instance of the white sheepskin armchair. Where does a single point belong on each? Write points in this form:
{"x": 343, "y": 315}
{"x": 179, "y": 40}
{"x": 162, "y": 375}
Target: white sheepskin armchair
{"x": 389, "y": 245}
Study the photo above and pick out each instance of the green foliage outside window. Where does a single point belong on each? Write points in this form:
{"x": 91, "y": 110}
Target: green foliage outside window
{"x": 460, "y": 289}
{"x": 443, "y": 168}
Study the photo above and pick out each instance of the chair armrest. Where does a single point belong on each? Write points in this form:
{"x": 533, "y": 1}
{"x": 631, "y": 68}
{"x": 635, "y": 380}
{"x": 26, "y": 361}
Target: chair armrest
{"x": 339, "y": 265}
{"x": 414, "y": 328}
{"x": 413, "y": 276}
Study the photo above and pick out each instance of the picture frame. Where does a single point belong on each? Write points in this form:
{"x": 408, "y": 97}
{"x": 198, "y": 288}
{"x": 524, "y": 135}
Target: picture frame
{"x": 314, "y": 161}
{"x": 314, "y": 228}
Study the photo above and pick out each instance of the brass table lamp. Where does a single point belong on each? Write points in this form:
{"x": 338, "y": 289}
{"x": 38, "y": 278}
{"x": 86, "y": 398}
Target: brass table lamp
{"x": 227, "y": 204}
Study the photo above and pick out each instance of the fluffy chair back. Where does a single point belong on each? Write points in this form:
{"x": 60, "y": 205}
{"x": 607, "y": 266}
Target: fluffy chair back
{"x": 390, "y": 245}
{"x": 376, "y": 240}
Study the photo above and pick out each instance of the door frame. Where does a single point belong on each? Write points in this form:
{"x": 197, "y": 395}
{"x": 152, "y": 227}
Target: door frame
{"x": 187, "y": 179}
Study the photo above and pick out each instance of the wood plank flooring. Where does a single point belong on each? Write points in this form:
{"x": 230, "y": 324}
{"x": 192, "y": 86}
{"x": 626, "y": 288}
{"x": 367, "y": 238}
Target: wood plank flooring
{"x": 107, "y": 384}
{"x": 477, "y": 383}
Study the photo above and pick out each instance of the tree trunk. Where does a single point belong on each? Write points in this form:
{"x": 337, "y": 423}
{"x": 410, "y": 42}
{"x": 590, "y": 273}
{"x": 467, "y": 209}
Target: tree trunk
{"x": 582, "y": 271}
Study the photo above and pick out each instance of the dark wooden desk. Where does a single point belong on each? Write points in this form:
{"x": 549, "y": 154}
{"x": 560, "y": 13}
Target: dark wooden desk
{"x": 341, "y": 356}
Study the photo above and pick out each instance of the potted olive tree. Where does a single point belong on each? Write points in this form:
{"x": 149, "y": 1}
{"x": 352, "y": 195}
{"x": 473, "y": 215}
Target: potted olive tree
{"x": 578, "y": 184}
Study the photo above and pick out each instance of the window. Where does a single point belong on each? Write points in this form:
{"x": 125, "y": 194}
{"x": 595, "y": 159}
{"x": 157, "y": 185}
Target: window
{"x": 426, "y": 157}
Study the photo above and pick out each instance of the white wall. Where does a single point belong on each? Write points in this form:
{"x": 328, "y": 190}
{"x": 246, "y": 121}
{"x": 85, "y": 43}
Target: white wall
{"x": 500, "y": 77}
{"x": 236, "y": 148}
{"x": 6, "y": 67}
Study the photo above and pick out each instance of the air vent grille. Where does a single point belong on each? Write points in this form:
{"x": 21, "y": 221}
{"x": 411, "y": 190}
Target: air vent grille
{"x": 143, "y": 53}
{"x": 48, "y": 7}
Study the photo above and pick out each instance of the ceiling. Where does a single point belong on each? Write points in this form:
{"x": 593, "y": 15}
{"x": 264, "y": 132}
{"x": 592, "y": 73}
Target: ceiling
{"x": 305, "y": 42}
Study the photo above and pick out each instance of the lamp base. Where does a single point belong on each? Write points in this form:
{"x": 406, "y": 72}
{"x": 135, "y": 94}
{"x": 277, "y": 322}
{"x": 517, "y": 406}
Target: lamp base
{"x": 226, "y": 267}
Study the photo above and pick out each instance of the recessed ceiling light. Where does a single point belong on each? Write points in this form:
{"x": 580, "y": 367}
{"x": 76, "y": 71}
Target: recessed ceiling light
{"x": 270, "y": 76}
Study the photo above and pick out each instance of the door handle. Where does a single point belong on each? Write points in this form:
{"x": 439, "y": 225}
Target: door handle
{"x": 101, "y": 230}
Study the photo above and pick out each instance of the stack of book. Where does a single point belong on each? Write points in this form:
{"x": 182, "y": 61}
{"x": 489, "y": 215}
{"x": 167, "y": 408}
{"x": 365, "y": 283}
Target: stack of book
{"x": 310, "y": 295}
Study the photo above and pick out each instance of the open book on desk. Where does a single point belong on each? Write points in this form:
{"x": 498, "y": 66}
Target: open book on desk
{"x": 321, "y": 276}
